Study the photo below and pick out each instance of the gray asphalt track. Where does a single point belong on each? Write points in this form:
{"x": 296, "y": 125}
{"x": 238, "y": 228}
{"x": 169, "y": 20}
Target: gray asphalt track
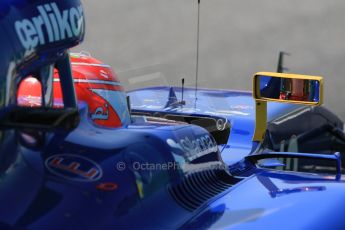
{"x": 157, "y": 39}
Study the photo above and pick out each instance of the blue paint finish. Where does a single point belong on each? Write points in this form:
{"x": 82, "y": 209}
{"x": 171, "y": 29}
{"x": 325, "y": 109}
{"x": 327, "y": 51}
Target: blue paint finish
{"x": 51, "y": 179}
{"x": 267, "y": 198}
{"x": 57, "y": 195}
{"x": 258, "y": 202}
{"x": 236, "y": 106}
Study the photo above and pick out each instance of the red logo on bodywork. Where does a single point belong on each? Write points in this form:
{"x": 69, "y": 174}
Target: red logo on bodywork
{"x": 74, "y": 167}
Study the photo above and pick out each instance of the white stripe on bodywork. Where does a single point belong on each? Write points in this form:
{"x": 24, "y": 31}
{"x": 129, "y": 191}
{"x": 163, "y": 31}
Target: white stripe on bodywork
{"x": 290, "y": 116}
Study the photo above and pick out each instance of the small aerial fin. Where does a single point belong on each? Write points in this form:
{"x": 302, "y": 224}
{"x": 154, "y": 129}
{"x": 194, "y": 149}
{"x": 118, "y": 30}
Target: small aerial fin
{"x": 172, "y": 99}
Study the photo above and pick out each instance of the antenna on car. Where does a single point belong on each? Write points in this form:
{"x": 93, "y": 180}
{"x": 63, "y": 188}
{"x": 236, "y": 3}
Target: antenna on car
{"x": 281, "y": 68}
{"x": 182, "y": 91}
{"x": 197, "y": 52}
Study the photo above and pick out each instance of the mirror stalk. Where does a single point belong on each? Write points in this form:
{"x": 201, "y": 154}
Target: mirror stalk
{"x": 260, "y": 120}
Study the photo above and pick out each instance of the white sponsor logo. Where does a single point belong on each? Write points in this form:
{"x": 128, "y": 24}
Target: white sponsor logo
{"x": 195, "y": 148}
{"x": 51, "y": 25}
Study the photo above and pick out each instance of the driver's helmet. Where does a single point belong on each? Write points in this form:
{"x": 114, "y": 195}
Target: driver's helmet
{"x": 95, "y": 83}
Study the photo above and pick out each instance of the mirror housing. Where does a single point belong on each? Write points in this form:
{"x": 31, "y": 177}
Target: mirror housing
{"x": 289, "y": 88}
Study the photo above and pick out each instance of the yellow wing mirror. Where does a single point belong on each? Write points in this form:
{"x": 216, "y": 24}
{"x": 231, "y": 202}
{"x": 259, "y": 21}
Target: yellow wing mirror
{"x": 286, "y": 88}
{"x": 291, "y": 88}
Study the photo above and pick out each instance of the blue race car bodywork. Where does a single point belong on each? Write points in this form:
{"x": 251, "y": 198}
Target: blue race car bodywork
{"x": 60, "y": 170}
{"x": 235, "y": 109}
{"x": 265, "y": 198}
{"x": 90, "y": 177}
{"x": 95, "y": 177}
